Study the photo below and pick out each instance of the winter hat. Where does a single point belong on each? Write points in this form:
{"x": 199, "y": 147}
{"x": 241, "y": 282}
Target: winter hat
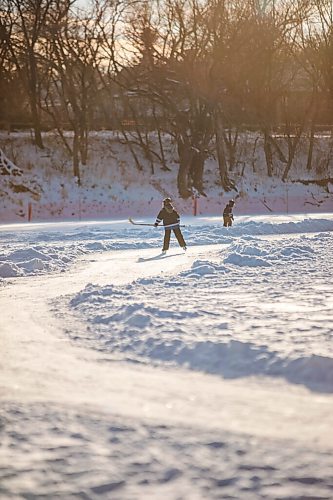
{"x": 168, "y": 205}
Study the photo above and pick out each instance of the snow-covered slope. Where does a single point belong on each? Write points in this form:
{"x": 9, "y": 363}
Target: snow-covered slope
{"x": 112, "y": 187}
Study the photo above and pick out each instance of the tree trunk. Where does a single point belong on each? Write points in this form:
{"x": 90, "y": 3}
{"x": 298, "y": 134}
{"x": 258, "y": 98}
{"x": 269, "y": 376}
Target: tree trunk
{"x": 312, "y": 129}
{"x": 221, "y": 157}
{"x": 311, "y": 145}
{"x": 34, "y": 101}
{"x": 231, "y": 144}
{"x": 196, "y": 171}
{"x": 36, "y": 125}
{"x": 291, "y": 154}
{"x": 84, "y": 146}
{"x": 76, "y": 157}
{"x": 268, "y": 153}
{"x": 292, "y": 147}
{"x": 185, "y": 160}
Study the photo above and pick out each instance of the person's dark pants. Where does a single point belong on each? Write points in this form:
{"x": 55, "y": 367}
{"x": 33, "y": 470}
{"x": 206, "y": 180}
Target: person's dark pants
{"x": 227, "y": 221}
{"x": 178, "y": 235}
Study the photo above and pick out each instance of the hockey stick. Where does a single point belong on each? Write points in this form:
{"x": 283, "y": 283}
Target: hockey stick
{"x": 139, "y": 223}
{"x": 152, "y": 225}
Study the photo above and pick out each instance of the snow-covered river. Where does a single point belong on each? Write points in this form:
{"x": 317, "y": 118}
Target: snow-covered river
{"x": 205, "y": 374}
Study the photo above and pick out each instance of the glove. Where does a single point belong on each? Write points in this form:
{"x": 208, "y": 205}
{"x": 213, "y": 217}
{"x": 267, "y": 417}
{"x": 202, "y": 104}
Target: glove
{"x": 155, "y": 225}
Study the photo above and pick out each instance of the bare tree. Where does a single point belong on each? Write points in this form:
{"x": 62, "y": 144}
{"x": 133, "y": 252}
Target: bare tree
{"x": 168, "y": 72}
{"x": 73, "y": 80}
{"x": 312, "y": 51}
{"x": 11, "y": 98}
{"x": 28, "y": 21}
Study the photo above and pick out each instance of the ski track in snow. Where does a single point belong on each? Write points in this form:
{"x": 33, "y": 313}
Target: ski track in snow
{"x": 253, "y": 310}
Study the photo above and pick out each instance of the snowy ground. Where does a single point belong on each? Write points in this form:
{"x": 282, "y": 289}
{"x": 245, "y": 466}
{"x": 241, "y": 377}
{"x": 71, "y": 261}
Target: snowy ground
{"x": 128, "y": 375}
{"x": 38, "y": 185}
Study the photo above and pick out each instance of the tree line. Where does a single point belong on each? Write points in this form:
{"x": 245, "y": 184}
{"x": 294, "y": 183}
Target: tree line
{"x": 198, "y": 71}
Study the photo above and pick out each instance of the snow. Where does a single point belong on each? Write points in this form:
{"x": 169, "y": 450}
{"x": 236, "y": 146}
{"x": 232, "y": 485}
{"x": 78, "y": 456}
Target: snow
{"x": 40, "y": 185}
{"x": 44, "y": 247}
{"x": 129, "y": 374}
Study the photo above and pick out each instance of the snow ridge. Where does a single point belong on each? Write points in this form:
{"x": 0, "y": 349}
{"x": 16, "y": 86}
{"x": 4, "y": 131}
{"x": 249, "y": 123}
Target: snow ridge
{"x": 279, "y": 329}
{"x": 22, "y": 254}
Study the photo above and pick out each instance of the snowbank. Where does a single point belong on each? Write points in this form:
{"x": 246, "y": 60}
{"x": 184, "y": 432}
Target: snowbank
{"x": 112, "y": 187}
{"x": 58, "y": 245}
{"x": 258, "y": 306}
